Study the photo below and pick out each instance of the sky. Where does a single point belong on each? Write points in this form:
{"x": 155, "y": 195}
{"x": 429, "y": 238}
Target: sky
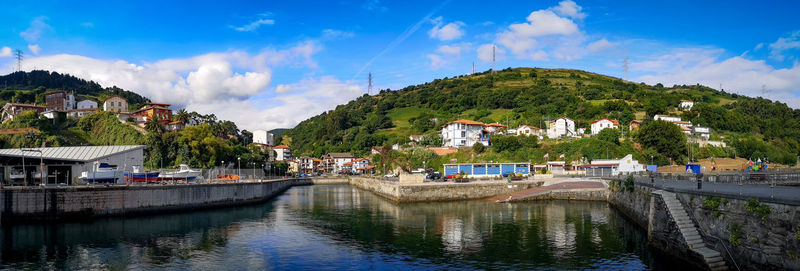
{"x": 273, "y": 64}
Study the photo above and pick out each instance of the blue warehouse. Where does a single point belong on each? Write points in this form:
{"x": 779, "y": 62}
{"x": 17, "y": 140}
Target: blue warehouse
{"x": 482, "y": 170}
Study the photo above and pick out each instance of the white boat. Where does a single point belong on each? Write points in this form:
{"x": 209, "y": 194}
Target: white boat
{"x": 17, "y": 174}
{"x": 183, "y": 173}
{"x": 102, "y": 173}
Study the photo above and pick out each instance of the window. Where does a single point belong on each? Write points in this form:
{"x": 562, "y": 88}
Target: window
{"x": 119, "y": 104}
{"x": 463, "y": 134}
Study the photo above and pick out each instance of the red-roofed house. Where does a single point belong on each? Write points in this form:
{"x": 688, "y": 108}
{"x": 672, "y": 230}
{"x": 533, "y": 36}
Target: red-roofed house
{"x": 282, "y": 153}
{"x": 527, "y": 130}
{"x": 494, "y": 128}
{"x": 601, "y": 124}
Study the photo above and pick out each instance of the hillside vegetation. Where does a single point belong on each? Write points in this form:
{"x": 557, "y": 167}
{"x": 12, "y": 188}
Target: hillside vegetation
{"x": 752, "y": 127}
{"x": 30, "y": 87}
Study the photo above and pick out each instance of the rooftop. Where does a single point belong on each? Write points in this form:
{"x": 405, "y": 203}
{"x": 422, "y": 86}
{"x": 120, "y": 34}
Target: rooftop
{"x": 281, "y": 147}
{"x": 78, "y": 154}
{"x": 467, "y": 122}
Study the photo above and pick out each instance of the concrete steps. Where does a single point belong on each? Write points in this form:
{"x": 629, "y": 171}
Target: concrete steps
{"x": 691, "y": 235}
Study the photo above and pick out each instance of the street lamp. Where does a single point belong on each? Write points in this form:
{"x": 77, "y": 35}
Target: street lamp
{"x": 239, "y": 159}
{"x": 41, "y": 165}
{"x": 223, "y": 167}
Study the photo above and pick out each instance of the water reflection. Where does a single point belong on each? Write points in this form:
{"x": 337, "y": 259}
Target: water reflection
{"x": 340, "y": 227}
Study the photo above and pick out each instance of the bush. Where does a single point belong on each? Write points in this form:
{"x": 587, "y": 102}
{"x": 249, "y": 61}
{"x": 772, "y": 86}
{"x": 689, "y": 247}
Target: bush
{"x": 478, "y": 147}
{"x": 628, "y": 185}
{"x": 758, "y": 209}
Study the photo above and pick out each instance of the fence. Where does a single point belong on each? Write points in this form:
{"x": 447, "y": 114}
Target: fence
{"x": 776, "y": 178}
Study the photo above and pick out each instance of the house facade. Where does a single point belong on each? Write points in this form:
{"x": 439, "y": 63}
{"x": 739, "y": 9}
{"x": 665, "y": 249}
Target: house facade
{"x": 86, "y": 104}
{"x": 601, "y": 124}
{"x": 263, "y": 137}
{"x": 464, "y": 133}
{"x": 612, "y": 167}
{"x": 116, "y": 104}
{"x": 561, "y": 127}
{"x": 667, "y": 118}
{"x": 282, "y": 153}
{"x": 306, "y": 164}
{"x": 175, "y": 126}
{"x": 80, "y": 113}
{"x": 335, "y": 161}
{"x": 11, "y": 110}
{"x": 361, "y": 165}
{"x": 59, "y": 101}
{"x": 635, "y": 125}
{"x": 703, "y": 132}
{"x": 152, "y": 111}
{"x": 528, "y": 131}
{"x": 686, "y": 105}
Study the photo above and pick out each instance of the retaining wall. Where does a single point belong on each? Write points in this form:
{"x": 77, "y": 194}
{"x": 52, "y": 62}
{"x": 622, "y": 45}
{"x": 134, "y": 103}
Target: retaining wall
{"x": 91, "y": 201}
{"x": 440, "y": 191}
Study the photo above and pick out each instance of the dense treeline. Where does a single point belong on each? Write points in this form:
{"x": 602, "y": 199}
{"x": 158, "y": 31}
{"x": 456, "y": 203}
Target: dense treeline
{"x": 534, "y": 96}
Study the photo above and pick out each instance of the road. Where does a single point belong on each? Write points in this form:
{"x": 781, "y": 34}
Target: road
{"x": 765, "y": 193}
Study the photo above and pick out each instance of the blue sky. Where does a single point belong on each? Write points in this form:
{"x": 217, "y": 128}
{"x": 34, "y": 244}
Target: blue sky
{"x": 269, "y": 65}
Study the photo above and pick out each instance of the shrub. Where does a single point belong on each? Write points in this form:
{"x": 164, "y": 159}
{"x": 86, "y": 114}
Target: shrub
{"x": 478, "y": 147}
{"x": 628, "y": 185}
{"x": 758, "y": 209}
{"x": 736, "y": 234}
{"x": 713, "y": 204}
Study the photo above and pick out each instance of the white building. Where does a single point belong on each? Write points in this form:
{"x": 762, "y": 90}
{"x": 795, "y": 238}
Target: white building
{"x": 667, "y": 118}
{"x": 704, "y": 132}
{"x": 601, "y": 124}
{"x": 263, "y": 137}
{"x": 115, "y": 103}
{"x": 464, "y": 133}
{"x": 360, "y": 165}
{"x": 686, "y": 105}
{"x": 528, "y": 130}
{"x": 561, "y": 127}
{"x": 87, "y": 104}
{"x": 335, "y": 161}
{"x": 282, "y": 153}
{"x": 613, "y": 167}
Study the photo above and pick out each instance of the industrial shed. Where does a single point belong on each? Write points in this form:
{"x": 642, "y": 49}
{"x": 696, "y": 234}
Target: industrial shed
{"x": 63, "y": 165}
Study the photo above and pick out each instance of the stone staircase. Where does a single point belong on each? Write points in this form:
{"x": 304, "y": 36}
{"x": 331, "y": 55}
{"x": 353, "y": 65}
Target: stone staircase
{"x": 713, "y": 258}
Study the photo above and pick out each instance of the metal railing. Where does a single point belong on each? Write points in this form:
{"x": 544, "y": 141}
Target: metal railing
{"x": 721, "y": 242}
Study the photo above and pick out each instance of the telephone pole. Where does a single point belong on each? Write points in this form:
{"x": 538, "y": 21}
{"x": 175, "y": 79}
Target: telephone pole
{"x": 473, "y": 67}
{"x": 625, "y": 68}
{"x": 18, "y": 55}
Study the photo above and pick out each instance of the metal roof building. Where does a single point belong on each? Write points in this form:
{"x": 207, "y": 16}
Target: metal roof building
{"x": 63, "y": 164}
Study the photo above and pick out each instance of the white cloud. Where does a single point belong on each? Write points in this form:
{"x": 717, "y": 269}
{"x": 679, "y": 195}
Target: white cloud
{"x": 451, "y": 49}
{"x": 5, "y": 51}
{"x": 485, "y": 53}
{"x": 34, "y": 48}
{"x": 600, "y": 45}
{"x": 283, "y": 88}
{"x": 570, "y": 9}
{"x": 784, "y": 44}
{"x": 308, "y": 98}
{"x": 520, "y": 38}
{"x": 445, "y": 32}
{"x": 736, "y": 74}
{"x": 260, "y": 20}
{"x": 207, "y": 78}
{"x": 331, "y": 34}
{"x": 436, "y": 61}
{"x": 36, "y": 29}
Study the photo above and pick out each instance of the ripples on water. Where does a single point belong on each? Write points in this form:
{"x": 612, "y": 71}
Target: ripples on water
{"x": 342, "y": 228}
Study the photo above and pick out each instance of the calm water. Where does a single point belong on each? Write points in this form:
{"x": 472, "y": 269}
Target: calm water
{"x": 340, "y": 227}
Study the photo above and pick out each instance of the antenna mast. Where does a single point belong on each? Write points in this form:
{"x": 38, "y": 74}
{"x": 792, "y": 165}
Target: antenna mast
{"x": 473, "y": 67}
{"x": 18, "y": 55}
{"x": 369, "y": 85}
{"x": 493, "y": 59}
{"x": 625, "y": 68}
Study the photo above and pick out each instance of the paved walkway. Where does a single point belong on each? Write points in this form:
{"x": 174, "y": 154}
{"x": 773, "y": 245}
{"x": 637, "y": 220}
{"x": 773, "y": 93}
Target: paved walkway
{"x": 545, "y": 189}
{"x": 779, "y": 194}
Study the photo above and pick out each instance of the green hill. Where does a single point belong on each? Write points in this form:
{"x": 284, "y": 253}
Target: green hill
{"x": 752, "y": 127}
{"x": 30, "y": 87}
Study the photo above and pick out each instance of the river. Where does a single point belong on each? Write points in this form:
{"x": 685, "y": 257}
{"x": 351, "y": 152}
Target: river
{"x": 338, "y": 227}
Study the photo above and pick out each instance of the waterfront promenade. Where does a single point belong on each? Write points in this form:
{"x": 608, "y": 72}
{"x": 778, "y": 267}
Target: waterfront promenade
{"x": 789, "y": 195}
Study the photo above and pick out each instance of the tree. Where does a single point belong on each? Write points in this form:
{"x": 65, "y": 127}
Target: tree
{"x": 665, "y": 137}
{"x": 153, "y": 125}
{"x": 478, "y": 147}
{"x": 182, "y": 115}
{"x": 609, "y": 135}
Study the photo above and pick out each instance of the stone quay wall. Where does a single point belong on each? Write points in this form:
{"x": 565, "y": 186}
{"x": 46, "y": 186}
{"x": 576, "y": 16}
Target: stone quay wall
{"x": 764, "y": 240}
{"x": 76, "y": 202}
{"x": 400, "y": 192}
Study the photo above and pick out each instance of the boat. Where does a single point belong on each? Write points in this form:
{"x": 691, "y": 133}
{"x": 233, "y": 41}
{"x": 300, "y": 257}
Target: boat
{"x": 139, "y": 175}
{"x": 102, "y": 172}
{"x": 17, "y": 173}
{"x": 184, "y": 173}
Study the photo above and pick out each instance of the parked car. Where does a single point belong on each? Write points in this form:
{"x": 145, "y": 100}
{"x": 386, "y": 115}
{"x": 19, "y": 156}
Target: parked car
{"x": 451, "y": 176}
{"x": 433, "y": 176}
{"x": 390, "y": 175}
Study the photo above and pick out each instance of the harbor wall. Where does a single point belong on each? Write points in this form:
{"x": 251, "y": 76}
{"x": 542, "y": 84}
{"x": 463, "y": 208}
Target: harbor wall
{"x": 75, "y": 202}
{"x": 425, "y": 192}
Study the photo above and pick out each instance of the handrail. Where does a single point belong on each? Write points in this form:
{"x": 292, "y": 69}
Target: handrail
{"x": 730, "y": 255}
